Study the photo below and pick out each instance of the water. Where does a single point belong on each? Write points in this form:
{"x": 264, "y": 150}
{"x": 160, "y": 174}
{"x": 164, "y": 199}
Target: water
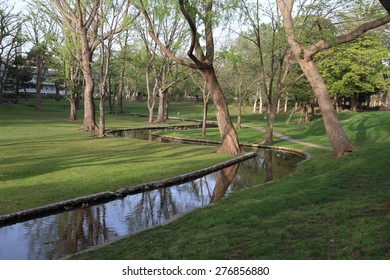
{"x": 58, "y": 235}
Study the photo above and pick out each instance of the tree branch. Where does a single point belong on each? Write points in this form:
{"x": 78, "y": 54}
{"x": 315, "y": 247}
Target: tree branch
{"x": 348, "y": 37}
{"x": 155, "y": 38}
{"x": 195, "y": 45}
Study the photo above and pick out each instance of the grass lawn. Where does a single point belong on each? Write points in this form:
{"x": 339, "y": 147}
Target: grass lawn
{"x": 327, "y": 209}
{"x": 44, "y": 158}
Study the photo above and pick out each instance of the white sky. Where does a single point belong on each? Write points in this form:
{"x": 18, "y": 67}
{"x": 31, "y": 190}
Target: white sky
{"x": 20, "y": 4}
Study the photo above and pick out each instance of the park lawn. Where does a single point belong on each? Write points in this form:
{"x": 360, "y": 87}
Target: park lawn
{"x": 329, "y": 208}
{"x": 45, "y": 158}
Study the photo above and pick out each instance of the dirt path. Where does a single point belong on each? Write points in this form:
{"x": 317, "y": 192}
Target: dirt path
{"x": 290, "y": 139}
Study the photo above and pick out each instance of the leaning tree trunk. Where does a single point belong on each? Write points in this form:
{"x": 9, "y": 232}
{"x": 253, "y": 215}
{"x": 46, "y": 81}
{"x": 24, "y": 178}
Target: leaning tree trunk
{"x": 337, "y": 138}
{"x": 228, "y": 134}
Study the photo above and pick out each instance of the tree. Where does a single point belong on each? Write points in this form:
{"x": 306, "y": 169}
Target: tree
{"x": 165, "y": 73}
{"x": 112, "y": 16}
{"x": 301, "y": 91}
{"x": 272, "y": 56}
{"x": 82, "y": 19}
{"x": 201, "y": 18}
{"x": 354, "y": 69}
{"x": 205, "y": 96}
{"x": 20, "y": 74}
{"x": 10, "y": 42}
{"x": 304, "y": 55}
{"x": 39, "y": 32}
{"x": 71, "y": 73}
{"x": 241, "y": 73}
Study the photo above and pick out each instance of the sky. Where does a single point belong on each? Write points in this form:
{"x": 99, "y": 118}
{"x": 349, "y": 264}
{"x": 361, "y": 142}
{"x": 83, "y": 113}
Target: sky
{"x": 20, "y": 4}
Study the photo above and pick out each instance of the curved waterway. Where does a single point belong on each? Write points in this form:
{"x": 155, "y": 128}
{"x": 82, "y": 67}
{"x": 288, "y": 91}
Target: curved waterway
{"x": 58, "y": 235}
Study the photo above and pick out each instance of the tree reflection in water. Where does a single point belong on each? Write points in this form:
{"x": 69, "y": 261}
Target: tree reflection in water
{"x": 66, "y": 233}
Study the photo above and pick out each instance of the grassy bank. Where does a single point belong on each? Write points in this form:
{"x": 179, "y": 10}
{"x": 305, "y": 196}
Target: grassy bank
{"x": 328, "y": 209}
{"x": 44, "y": 158}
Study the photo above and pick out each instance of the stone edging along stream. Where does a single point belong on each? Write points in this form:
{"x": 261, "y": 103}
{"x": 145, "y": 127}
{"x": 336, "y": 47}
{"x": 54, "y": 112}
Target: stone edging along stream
{"x": 85, "y": 201}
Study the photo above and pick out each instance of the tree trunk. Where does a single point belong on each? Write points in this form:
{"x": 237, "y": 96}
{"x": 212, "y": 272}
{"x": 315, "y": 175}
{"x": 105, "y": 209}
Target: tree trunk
{"x": 313, "y": 111}
{"x": 204, "y": 121}
{"x": 89, "y": 122}
{"x": 261, "y": 103}
{"x": 354, "y": 102}
{"x": 120, "y": 91}
{"x": 305, "y": 113}
{"x": 239, "y": 113}
{"x": 161, "y": 106}
{"x": 228, "y": 134}
{"x": 38, "y": 85}
{"x": 255, "y": 104}
{"x": 89, "y": 106}
{"x": 286, "y": 103}
{"x": 270, "y": 124}
{"x": 166, "y": 103}
{"x": 73, "y": 111}
{"x": 102, "y": 120}
{"x": 151, "y": 98}
{"x": 338, "y": 104}
{"x": 337, "y": 138}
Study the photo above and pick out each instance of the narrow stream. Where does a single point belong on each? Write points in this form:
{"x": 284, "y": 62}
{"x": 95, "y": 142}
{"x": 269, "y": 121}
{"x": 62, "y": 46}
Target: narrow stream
{"x": 58, "y": 235}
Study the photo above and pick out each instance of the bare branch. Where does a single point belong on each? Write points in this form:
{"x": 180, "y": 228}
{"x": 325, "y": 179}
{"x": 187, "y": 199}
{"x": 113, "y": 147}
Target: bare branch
{"x": 156, "y": 39}
{"x": 350, "y": 36}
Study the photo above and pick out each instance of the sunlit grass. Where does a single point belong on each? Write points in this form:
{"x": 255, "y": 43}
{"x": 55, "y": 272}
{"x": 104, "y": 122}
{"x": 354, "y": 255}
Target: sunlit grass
{"x": 44, "y": 158}
{"x": 330, "y": 208}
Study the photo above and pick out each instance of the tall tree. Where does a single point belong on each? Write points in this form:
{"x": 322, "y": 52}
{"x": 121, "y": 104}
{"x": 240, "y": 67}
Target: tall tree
{"x": 10, "y": 42}
{"x": 304, "y": 55}
{"x": 39, "y": 32}
{"x": 266, "y": 34}
{"x": 241, "y": 73}
{"x": 112, "y": 16}
{"x": 205, "y": 96}
{"x": 171, "y": 33}
{"x": 354, "y": 69}
{"x": 82, "y": 19}
{"x": 201, "y": 18}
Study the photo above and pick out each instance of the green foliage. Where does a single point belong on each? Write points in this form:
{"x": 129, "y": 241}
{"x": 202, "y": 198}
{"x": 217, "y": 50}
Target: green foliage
{"x": 356, "y": 67}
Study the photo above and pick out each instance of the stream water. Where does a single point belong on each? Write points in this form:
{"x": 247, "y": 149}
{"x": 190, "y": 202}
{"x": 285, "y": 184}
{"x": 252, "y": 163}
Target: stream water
{"x": 58, "y": 235}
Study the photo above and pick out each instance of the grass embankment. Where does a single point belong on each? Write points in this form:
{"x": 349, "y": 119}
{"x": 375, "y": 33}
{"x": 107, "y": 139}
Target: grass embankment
{"x": 328, "y": 209}
{"x": 44, "y": 158}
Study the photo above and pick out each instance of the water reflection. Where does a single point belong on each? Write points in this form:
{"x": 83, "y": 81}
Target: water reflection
{"x": 62, "y": 234}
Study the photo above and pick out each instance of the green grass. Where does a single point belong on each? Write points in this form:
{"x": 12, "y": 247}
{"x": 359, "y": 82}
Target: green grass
{"x": 330, "y": 208}
{"x": 44, "y": 158}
